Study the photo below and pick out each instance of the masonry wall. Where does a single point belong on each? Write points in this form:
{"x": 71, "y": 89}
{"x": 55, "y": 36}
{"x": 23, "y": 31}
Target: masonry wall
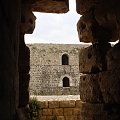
{"x": 47, "y": 71}
{"x": 9, "y": 37}
{"x": 60, "y": 110}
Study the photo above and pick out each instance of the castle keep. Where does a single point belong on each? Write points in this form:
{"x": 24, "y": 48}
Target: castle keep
{"x": 54, "y": 69}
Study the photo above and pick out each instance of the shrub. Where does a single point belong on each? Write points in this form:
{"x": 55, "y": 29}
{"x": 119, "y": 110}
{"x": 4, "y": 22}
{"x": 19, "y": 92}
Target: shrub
{"x": 34, "y": 106}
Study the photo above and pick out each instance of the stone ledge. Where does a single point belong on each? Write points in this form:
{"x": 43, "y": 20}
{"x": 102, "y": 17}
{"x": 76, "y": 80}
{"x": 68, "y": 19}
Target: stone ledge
{"x": 50, "y": 6}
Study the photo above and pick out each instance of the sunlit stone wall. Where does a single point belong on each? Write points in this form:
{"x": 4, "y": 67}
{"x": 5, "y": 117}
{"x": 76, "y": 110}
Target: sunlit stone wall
{"x": 47, "y": 71}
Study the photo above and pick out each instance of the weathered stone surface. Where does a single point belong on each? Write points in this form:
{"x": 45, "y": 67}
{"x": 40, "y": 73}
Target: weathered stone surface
{"x": 24, "y": 56}
{"x": 90, "y": 30}
{"x": 49, "y": 117}
{"x": 42, "y": 117}
{"x": 78, "y": 105}
{"x": 24, "y": 76}
{"x": 9, "y": 76}
{"x": 60, "y": 118}
{"x": 71, "y": 118}
{"x": 100, "y": 21}
{"x": 113, "y": 57}
{"x": 84, "y": 26}
{"x": 99, "y": 112}
{"x": 58, "y": 111}
{"x": 93, "y": 58}
{"x": 105, "y": 29}
{"x": 47, "y": 71}
{"x": 110, "y": 88}
{"x": 68, "y": 111}
{"x": 47, "y": 112}
{"x": 61, "y": 112}
{"x": 67, "y": 104}
{"x": 27, "y": 21}
{"x": 107, "y": 15}
{"x": 53, "y": 104}
{"x": 84, "y": 6}
{"x": 44, "y": 104}
{"x": 89, "y": 89}
{"x": 76, "y": 111}
{"x": 50, "y": 6}
{"x": 100, "y": 88}
{"x": 99, "y": 24}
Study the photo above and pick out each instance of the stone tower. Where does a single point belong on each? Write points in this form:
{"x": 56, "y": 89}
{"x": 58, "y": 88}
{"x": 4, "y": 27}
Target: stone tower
{"x": 54, "y": 69}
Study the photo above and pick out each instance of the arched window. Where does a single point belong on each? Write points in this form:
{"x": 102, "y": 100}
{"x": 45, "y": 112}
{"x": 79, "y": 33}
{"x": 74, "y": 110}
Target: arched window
{"x": 65, "y": 59}
{"x": 66, "y": 82}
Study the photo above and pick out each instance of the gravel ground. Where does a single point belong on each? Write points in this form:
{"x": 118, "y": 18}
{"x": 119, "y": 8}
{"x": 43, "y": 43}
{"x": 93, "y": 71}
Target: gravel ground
{"x": 57, "y": 98}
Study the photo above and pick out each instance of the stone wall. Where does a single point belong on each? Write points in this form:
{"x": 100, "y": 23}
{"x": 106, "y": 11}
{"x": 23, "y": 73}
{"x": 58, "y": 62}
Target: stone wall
{"x": 60, "y": 110}
{"x": 47, "y": 71}
{"x": 99, "y": 86}
{"x": 9, "y": 37}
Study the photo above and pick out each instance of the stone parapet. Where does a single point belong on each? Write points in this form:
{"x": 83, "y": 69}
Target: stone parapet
{"x": 81, "y": 111}
{"x": 60, "y": 110}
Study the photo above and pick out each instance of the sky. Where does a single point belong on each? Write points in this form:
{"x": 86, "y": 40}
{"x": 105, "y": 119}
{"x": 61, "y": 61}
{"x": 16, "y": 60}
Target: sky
{"x": 55, "y": 28}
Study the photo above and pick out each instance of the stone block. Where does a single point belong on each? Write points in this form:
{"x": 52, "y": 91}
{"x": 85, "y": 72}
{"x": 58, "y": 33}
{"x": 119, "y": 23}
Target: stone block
{"x": 68, "y": 111}
{"x": 78, "y": 105}
{"x": 47, "y": 112}
{"x": 43, "y": 118}
{"x": 58, "y": 111}
{"x": 93, "y": 59}
{"x": 60, "y": 118}
{"x": 49, "y": 117}
{"x": 89, "y": 90}
{"x": 44, "y": 104}
{"x": 67, "y": 104}
{"x": 100, "y": 88}
{"x": 113, "y": 57}
{"x": 59, "y": 6}
{"x": 53, "y": 104}
{"x": 84, "y": 6}
{"x": 91, "y": 107}
{"x": 99, "y": 111}
{"x": 70, "y": 117}
{"x": 76, "y": 111}
{"x": 110, "y": 86}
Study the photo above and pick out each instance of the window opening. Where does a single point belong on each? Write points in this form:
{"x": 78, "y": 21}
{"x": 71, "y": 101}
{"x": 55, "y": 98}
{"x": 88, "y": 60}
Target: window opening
{"x": 66, "y": 82}
{"x": 65, "y": 59}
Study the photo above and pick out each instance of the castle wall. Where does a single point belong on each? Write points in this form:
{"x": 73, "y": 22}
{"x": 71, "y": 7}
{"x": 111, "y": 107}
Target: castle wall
{"x": 47, "y": 71}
